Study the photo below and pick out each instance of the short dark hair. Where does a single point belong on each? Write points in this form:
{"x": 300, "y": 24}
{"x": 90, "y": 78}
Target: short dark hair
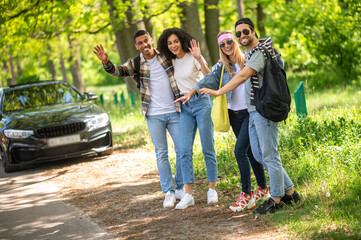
{"x": 140, "y": 33}
{"x": 184, "y": 37}
{"x": 246, "y": 21}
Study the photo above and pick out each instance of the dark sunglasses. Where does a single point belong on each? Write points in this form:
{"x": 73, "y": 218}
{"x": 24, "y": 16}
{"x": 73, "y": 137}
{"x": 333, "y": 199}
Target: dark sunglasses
{"x": 229, "y": 42}
{"x": 244, "y": 31}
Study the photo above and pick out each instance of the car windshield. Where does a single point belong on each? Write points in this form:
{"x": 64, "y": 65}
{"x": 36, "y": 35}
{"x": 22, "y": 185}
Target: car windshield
{"x": 36, "y": 96}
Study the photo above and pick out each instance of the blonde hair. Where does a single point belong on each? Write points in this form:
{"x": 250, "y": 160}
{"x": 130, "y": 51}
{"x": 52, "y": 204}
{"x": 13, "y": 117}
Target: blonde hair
{"x": 238, "y": 55}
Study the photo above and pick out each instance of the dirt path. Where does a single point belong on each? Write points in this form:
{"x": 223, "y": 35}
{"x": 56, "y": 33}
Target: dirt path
{"x": 31, "y": 209}
{"x": 122, "y": 194}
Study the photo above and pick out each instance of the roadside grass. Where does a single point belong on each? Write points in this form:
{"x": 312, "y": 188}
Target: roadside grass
{"x": 321, "y": 153}
{"x": 129, "y": 127}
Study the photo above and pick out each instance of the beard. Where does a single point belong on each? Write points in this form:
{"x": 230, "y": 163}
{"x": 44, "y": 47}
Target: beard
{"x": 248, "y": 43}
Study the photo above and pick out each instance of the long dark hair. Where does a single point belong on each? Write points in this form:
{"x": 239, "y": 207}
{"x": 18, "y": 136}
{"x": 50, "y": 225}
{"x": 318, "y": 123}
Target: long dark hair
{"x": 184, "y": 37}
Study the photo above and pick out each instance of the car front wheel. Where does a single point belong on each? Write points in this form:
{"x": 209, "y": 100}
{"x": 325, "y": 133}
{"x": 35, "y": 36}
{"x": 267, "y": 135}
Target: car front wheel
{"x": 7, "y": 165}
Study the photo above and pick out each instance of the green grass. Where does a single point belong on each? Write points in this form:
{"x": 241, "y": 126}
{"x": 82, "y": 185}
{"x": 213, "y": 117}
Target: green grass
{"x": 321, "y": 153}
{"x": 129, "y": 126}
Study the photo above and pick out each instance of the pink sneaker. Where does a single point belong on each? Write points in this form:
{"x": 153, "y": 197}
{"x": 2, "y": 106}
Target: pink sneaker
{"x": 244, "y": 202}
{"x": 261, "y": 194}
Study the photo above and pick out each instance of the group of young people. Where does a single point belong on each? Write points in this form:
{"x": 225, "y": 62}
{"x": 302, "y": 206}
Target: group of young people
{"x": 176, "y": 86}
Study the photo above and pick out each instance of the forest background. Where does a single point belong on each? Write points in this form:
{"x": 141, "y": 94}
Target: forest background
{"x": 319, "y": 41}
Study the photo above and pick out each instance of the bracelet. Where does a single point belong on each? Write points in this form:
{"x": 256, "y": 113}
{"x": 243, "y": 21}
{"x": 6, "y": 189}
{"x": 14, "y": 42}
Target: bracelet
{"x": 199, "y": 58}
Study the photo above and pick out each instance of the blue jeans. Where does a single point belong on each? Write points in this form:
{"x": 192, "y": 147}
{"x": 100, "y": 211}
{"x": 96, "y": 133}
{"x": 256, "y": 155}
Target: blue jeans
{"x": 263, "y": 135}
{"x": 157, "y": 126}
{"x": 239, "y": 121}
{"x": 197, "y": 113}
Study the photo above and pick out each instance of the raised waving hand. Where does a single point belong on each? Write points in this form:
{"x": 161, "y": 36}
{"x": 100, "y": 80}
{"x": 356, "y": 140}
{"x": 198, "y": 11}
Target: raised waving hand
{"x": 101, "y": 54}
{"x": 195, "y": 50}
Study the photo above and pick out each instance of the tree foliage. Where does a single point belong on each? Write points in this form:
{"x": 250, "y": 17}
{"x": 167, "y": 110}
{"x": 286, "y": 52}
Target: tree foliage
{"x": 322, "y": 37}
{"x": 318, "y": 37}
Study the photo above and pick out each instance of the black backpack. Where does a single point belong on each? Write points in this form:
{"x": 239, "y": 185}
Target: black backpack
{"x": 137, "y": 70}
{"x": 273, "y": 99}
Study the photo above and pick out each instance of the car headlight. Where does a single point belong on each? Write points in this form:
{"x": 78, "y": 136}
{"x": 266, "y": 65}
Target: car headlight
{"x": 98, "y": 121}
{"x": 18, "y": 134}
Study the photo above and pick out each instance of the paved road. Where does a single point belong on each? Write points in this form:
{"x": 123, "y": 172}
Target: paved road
{"x": 30, "y": 209}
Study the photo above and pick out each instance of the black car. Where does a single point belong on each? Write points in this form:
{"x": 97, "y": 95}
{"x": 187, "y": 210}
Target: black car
{"x": 50, "y": 120}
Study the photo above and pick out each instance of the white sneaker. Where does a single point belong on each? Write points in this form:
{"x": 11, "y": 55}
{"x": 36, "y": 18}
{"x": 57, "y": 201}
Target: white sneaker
{"x": 179, "y": 194}
{"x": 212, "y": 196}
{"x": 169, "y": 200}
{"x": 186, "y": 201}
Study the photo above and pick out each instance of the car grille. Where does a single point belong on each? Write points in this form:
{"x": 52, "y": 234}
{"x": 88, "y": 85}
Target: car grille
{"x": 21, "y": 154}
{"x": 60, "y": 130}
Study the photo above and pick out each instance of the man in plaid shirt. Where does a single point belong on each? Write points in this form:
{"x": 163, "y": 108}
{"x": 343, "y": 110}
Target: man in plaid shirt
{"x": 158, "y": 90}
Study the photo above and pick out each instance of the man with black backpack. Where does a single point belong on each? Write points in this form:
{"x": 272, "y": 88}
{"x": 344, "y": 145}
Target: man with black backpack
{"x": 154, "y": 75}
{"x": 263, "y": 129}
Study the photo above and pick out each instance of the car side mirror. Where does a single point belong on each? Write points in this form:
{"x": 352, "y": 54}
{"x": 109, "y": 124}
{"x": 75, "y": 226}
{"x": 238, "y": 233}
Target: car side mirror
{"x": 91, "y": 96}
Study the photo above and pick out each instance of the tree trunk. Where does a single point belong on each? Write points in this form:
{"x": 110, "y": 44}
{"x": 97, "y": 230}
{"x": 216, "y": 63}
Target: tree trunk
{"x": 12, "y": 70}
{"x": 148, "y": 24}
{"x": 290, "y": 1}
{"x": 74, "y": 60}
{"x": 123, "y": 41}
{"x": 212, "y": 28}
{"x": 129, "y": 24}
{"x": 6, "y": 68}
{"x": 52, "y": 69}
{"x": 51, "y": 64}
{"x": 240, "y": 9}
{"x": 62, "y": 68}
{"x": 62, "y": 64}
{"x": 191, "y": 24}
{"x": 19, "y": 69}
{"x": 260, "y": 21}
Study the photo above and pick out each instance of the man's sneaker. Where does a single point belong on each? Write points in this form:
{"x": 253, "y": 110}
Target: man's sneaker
{"x": 169, "y": 200}
{"x": 290, "y": 199}
{"x": 268, "y": 206}
{"x": 186, "y": 201}
{"x": 212, "y": 196}
{"x": 179, "y": 194}
{"x": 261, "y": 194}
{"x": 244, "y": 202}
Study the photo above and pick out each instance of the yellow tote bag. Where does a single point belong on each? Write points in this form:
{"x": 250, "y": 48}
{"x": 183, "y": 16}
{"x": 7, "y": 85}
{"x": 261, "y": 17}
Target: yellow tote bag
{"x": 219, "y": 112}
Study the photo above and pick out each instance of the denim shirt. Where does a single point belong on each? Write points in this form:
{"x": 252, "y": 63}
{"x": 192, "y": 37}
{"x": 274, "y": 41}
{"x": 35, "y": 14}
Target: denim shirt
{"x": 212, "y": 79}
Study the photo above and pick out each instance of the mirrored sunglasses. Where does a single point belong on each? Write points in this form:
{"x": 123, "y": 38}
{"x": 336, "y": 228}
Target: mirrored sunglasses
{"x": 229, "y": 42}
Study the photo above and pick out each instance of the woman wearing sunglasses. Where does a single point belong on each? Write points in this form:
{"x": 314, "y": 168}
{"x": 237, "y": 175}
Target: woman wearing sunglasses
{"x": 232, "y": 60}
{"x": 189, "y": 67}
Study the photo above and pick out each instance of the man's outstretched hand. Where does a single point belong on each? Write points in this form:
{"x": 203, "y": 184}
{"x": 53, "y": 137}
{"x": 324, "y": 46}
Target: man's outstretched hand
{"x": 101, "y": 54}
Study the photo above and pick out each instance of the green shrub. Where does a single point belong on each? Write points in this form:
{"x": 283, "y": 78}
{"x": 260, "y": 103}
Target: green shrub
{"x": 321, "y": 153}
